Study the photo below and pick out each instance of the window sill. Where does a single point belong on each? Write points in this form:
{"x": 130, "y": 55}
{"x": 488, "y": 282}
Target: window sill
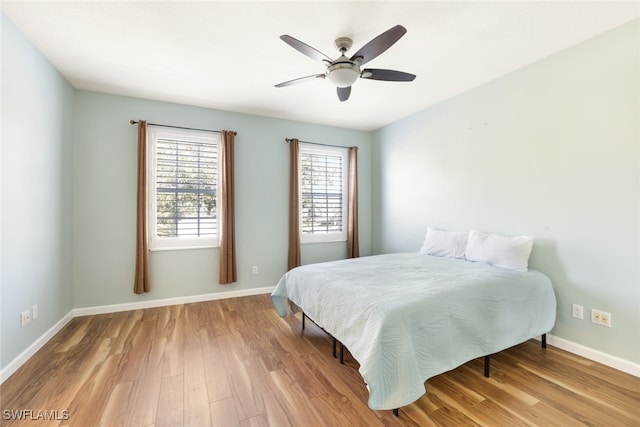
{"x": 180, "y": 248}
{"x": 315, "y": 242}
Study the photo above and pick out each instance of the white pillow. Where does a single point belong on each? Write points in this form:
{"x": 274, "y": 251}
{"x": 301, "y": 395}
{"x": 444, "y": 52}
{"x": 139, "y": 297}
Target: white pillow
{"x": 442, "y": 243}
{"x": 502, "y": 251}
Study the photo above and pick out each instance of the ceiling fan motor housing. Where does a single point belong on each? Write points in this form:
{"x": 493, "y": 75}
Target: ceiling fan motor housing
{"x": 343, "y": 44}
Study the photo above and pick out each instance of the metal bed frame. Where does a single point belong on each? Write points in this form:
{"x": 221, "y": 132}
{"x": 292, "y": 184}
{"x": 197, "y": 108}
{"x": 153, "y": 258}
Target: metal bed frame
{"x": 335, "y": 341}
{"x": 396, "y": 411}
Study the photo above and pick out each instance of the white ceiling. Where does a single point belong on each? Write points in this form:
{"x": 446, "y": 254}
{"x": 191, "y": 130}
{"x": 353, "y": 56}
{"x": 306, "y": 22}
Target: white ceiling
{"x": 228, "y": 55}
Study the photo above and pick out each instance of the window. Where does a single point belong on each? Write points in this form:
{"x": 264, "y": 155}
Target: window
{"x": 323, "y": 193}
{"x": 182, "y": 184}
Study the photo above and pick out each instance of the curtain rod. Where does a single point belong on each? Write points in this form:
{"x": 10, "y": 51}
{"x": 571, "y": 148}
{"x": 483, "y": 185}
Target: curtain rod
{"x": 288, "y": 140}
{"x": 133, "y": 122}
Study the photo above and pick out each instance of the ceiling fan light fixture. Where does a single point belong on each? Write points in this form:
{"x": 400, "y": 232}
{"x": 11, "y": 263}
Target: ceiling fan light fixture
{"x": 343, "y": 74}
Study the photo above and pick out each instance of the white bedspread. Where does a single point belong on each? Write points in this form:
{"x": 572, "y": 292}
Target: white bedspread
{"x": 408, "y": 317}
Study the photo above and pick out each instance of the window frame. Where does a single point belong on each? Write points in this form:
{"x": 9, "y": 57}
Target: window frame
{"x": 329, "y": 150}
{"x": 156, "y": 243}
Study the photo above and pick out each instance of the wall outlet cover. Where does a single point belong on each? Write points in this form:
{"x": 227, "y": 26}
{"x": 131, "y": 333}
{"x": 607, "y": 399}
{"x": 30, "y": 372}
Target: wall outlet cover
{"x": 25, "y": 318}
{"x": 578, "y": 311}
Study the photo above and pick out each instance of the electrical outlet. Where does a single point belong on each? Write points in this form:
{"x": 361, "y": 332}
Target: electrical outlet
{"x": 578, "y": 311}
{"x": 605, "y": 319}
{"x": 34, "y": 312}
{"x": 254, "y": 270}
{"x": 25, "y": 317}
{"x": 601, "y": 317}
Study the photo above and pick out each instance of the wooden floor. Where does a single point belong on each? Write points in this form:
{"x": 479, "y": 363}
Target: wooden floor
{"x": 236, "y": 363}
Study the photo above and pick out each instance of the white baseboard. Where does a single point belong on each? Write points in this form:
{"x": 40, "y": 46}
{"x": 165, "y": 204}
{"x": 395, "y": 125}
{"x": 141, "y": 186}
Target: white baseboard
{"x": 595, "y": 355}
{"x": 114, "y": 308}
{"x": 16, "y": 363}
{"x": 561, "y": 343}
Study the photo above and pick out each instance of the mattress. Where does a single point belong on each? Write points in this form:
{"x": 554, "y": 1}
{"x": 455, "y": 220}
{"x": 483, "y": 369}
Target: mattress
{"x": 407, "y": 317}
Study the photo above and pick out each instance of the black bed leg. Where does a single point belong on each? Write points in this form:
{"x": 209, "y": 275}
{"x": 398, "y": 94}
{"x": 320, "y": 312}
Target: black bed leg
{"x": 487, "y": 366}
{"x": 303, "y": 317}
{"x": 334, "y": 348}
{"x": 544, "y": 340}
{"x": 396, "y": 412}
{"x": 341, "y": 354}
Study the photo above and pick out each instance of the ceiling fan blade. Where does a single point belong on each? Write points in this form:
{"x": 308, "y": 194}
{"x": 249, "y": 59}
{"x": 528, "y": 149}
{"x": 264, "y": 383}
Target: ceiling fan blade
{"x": 343, "y": 93}
{"x": 300, "y": 80}
{"x": 305, "y": 49}
{"x": 378, "y": 45}
{"x": 387, "y": 75}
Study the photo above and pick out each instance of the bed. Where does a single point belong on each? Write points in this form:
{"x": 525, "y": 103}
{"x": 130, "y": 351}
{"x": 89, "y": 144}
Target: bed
{"x": 407, "y": 317}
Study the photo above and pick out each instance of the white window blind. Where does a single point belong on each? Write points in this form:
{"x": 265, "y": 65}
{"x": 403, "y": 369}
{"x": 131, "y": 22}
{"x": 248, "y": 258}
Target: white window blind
{"x": 183, "y": 188}
{"x": 323, "y": 192}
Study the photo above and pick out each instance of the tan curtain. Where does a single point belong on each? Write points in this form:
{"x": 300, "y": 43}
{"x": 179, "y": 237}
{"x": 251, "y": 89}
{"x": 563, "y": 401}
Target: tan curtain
{"x": 294, "y": 205}
{"x": 226, "y": 205}
{"x": 353, "y": 249}
{"x": 141, "y": 283}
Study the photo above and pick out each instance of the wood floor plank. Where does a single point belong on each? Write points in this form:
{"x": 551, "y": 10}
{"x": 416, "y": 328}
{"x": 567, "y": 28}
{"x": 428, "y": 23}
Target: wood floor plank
{"x": 256, "y": 421}
{"x": 218, "y": 386}
{"x": 147, "y": 391}
{"x": 472, "y": 405}
{"x": 346, "y": 392}
{"x": 196, "y": 398}
{"x": 428, "y": 402}
{"x": 173, "y": 361}
{"x": 447, "y": 416}
{"x": 298, "y": 407}
{"x": 589, "y": 387}
{"x": 493, "y": 387}
{"x": 487, "y": 413}
{"x": 499, "y": 389}
{"x": 348, "y": 397}
{"x": 117, "y": 409}
{"x": 455, "y": 391}
{"x": 563, "y": 400}
{"x": 91, "y": 397}
{"x": 76, "y": 333}
{"x": 57, "y": 392}
{"x": 414, "y": 415}
{"x": 275, "y": 413}
{"x": 236, "y": 363}
{"x": 171, "y": 402}
{"x": 126, "y": 324}
{"x": 248, "y": 402}
{"x": 223, "y": 413}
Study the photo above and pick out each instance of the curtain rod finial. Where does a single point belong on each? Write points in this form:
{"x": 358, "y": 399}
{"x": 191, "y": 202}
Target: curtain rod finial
{"x": 133, "y": 122}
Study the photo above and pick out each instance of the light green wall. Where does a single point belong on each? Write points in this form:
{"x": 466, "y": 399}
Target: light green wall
{"x": 551, "y": 150}
{"x": 37, "y": 110}
{"x": 68, "y": 197}
{"x": 104, "y": 189}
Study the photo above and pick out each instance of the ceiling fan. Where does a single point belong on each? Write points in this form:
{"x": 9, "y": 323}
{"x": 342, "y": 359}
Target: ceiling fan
{"x": 343, "y": 71}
